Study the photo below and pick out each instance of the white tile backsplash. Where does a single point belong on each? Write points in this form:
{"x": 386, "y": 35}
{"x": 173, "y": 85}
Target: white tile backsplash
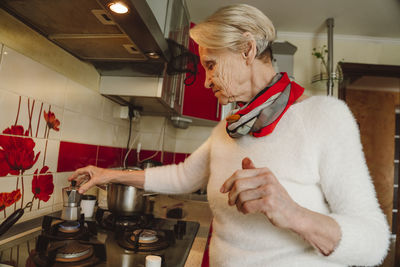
{"x": 83, "y": 100}
{"x": 23, "y": 76}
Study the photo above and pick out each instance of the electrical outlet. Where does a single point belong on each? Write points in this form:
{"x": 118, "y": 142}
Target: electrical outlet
{"x": 121, "y": 112}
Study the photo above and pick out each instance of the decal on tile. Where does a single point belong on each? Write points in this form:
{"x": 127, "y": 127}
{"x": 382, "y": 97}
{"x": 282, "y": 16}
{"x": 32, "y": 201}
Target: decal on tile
{"x": 18, "y": 155}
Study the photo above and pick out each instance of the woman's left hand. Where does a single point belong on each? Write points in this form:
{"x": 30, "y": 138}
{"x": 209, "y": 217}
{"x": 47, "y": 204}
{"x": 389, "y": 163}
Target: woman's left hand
{"x": 255, "y": 190}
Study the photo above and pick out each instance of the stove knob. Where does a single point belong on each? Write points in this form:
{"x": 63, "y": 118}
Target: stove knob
{"x": 180, "y": 229}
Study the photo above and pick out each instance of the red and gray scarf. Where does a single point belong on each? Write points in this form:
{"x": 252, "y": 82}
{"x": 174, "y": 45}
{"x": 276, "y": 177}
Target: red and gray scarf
{"x": 260, "y": 116}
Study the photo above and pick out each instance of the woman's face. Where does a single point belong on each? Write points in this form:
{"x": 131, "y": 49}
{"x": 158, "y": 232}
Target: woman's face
{"x": 227, "y": 74}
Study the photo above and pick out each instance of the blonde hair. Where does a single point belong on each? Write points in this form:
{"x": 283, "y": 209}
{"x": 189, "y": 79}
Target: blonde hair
{"x": 225, "y": 28}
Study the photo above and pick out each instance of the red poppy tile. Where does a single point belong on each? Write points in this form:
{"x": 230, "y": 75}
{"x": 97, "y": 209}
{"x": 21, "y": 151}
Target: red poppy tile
{"x": 39, "y": 120}
{"x": 75, "y": 155}
{"x": 25, "y": 189}
{"x": 179, "y": 157}
{"x": 109, "y": 157}
{"x": 23, "y": 155}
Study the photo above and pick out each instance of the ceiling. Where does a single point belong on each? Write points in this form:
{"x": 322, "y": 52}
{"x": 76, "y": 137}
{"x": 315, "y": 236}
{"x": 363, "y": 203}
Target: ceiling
{"x": 372, "y": 18}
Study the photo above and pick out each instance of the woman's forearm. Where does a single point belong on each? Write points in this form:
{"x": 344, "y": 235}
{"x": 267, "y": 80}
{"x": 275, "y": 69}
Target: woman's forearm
{"x": 321, "y": 231}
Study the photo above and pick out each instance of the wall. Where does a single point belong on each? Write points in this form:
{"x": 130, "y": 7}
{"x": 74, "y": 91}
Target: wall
{"x": 82, "y": 125}
{"x": 354, "y": 49}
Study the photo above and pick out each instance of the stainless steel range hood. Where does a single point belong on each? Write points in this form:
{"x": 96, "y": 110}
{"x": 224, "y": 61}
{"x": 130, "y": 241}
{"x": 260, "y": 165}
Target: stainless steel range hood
{"x": 131, "y": 44}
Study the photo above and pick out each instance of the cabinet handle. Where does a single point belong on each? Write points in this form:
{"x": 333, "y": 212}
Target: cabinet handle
{"x": 217, "y": 115}
{"x": 182, "y": 91}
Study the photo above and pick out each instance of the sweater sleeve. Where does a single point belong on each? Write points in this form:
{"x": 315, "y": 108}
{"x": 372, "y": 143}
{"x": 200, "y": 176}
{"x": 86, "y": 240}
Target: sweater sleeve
{"x": 348, "y": 188}
{"x": 186, "y": 177}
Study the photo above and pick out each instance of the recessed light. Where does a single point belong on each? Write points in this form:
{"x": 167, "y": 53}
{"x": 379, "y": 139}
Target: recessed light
{"x": 118, "y": 7}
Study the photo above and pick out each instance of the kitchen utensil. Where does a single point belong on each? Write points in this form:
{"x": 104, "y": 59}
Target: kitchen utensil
{"x": 153, "y": 261}
{"x": 13, "y": 218}
{"x": 124, "y": 199}
{"x": 71, "y": 198}
{"x": 87, "y": 205}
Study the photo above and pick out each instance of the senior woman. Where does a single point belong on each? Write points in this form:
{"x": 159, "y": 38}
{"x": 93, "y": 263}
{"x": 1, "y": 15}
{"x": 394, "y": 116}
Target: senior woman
{"x": 287, "y": 180}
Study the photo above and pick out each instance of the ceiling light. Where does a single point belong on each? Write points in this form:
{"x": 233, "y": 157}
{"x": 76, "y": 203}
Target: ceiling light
{"x": 118, "y": 8}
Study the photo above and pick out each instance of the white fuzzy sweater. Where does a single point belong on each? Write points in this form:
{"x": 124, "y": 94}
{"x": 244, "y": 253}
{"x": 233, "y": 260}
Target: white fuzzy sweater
{"x": 316, "y": 154}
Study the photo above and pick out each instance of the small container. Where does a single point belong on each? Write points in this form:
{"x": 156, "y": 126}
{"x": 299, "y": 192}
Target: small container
{"x": 88, "y": 203}
{"x": 153, "y": 261}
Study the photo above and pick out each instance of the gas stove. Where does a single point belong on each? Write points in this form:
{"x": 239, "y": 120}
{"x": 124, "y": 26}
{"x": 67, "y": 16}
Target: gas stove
{"x": 107, "y": 241}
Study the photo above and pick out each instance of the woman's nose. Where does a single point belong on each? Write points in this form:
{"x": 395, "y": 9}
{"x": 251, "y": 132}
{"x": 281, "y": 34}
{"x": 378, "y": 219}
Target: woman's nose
{"x": 208, "y": 82}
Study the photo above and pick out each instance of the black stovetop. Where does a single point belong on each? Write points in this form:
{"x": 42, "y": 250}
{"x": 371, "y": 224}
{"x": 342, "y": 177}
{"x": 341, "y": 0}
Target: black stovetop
{"x": 179, "y": 235}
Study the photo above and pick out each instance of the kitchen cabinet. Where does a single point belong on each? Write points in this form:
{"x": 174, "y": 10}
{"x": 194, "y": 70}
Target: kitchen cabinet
{"x": 177, "y": 30}
{"x": 200, "y": 102}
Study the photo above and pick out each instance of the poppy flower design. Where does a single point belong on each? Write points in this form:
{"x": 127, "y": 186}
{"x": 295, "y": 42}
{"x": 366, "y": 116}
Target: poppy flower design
{"x": 42, "y": 184}
{"x": 16, "y": 153}
{"x": 52, "y": 121}
{"x": 7, "y": 199}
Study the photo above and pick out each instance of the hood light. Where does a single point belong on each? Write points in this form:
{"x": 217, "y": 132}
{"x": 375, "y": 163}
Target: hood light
{"x": 153, "y": 55}
{"x": 118, "y": 8}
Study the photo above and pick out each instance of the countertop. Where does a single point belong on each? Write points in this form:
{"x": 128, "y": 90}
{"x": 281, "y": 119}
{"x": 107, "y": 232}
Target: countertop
{"x": 198, "y": 211}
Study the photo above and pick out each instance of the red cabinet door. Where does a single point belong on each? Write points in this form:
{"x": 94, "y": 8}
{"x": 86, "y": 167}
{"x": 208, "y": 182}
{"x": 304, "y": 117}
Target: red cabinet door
{"x": 200, "y": 102}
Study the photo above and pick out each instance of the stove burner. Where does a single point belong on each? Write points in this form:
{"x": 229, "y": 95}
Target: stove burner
{"x": 73, "y": 252}
{"x": 69, "y": 227}
{"x": 145, "y": 236}
{"x": 143, "y": 240}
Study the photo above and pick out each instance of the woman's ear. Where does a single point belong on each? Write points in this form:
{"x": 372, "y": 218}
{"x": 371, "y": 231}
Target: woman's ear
{"x": 250, "y": 51}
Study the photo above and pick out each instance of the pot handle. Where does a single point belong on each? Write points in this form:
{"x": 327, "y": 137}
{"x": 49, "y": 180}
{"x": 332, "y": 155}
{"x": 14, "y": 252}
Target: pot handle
{"x": 13, "y": 218}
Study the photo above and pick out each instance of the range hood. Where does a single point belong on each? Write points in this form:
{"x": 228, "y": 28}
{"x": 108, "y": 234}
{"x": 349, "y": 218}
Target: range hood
{"x": 131, "y": 44}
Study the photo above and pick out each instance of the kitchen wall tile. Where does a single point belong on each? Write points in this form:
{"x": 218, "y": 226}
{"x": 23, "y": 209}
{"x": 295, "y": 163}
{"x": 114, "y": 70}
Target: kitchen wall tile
{"x": 187, "y": 146}
{"x": 120, "y": 138}
{"x": 169, "y": 143}
{"x": 28, "y": 113}
{"x": 49, "y": 150}
{"x": 8, "y": 109}
{"x": 150, "y": 154}
{"x": 74, "y": 155}
{"x": 23, "y": 144}
{"x": 109, "y": 157}
{"x": 194, "y": 132}
{"x": 81, "y": 128}
{"x": 9, "y": 184}
{"x": 179, "y": 157}
{"x": 168, "y": 158}
{"x": 131, "y": 158}
{"x": 26, "y": 77}
{"x": 151, "y": 141}
{"x": 151, "y": 124}
{"x": 83, "y": 100}
{"x": 107, "y": 113}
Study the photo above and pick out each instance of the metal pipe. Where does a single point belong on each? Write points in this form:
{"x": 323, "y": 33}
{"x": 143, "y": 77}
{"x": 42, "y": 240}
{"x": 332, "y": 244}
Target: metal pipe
{"x": 330, "y": 24}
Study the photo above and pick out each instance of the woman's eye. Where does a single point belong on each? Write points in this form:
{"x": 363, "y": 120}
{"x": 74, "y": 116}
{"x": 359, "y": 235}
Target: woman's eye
{"x": 210, "y": 66}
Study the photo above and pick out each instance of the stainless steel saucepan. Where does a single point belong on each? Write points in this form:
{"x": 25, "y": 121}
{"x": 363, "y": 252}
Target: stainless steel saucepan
{"x": 125, "y": 199}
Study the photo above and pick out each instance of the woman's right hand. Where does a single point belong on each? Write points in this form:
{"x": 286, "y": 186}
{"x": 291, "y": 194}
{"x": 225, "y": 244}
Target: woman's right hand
{"x": 96, "y": 176}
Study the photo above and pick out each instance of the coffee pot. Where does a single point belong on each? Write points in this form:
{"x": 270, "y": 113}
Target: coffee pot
{"x": 71, "y": 203}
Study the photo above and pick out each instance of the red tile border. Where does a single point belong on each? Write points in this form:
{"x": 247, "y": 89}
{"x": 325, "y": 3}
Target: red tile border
{"x": 75, "y": 155}
{"x": 168, "y": 158}
{"x": 109, "y": 157}
{"x": 179, "y": 157}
